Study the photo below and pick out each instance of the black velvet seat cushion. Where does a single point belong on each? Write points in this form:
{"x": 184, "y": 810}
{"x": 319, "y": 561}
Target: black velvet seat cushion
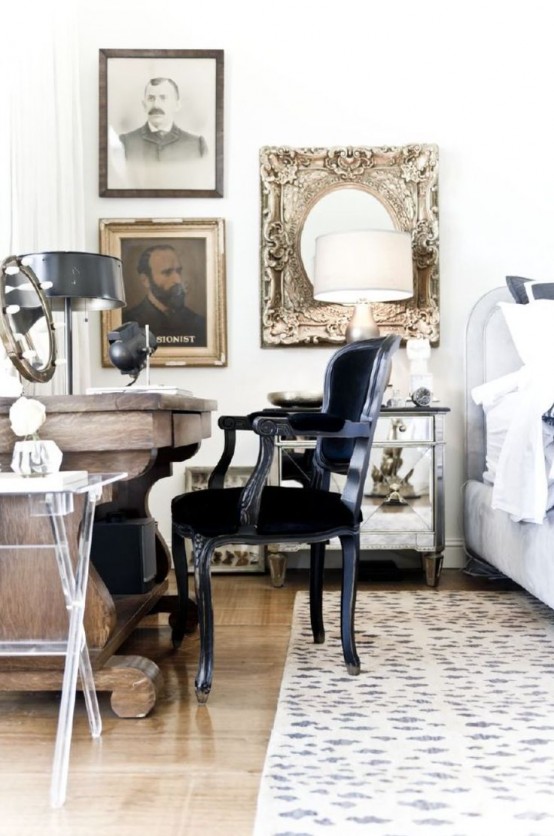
{"x": 283, "y": 511}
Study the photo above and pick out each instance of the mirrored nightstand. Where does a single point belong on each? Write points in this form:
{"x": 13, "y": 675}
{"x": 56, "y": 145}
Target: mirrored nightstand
{"x": 403, "y": 506}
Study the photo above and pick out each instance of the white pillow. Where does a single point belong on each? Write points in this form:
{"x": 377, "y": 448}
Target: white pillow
{"x": 532, "y": 329}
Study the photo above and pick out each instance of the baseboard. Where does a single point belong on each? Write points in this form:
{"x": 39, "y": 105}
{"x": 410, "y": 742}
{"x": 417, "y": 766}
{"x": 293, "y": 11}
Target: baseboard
{"x": 454, "y": 557}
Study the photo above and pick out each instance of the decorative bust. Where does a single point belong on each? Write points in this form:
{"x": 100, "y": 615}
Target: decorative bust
{"x": 418, "y": 351}
{"x": 27, "y": 416}
{"x": 32, "y": 457}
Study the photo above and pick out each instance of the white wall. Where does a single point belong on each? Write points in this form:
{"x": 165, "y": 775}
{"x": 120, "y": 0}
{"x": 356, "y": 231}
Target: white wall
{"x": 475, "y": 78}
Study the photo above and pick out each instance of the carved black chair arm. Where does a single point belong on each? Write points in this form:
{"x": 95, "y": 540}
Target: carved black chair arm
{"x": 287, "y": 426}
{"x": 319, "y": 424}
{"x": 230, "y": 424}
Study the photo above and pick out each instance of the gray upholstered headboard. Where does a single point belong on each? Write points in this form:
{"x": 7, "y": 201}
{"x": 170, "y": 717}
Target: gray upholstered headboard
{"x": 489, "y": 353}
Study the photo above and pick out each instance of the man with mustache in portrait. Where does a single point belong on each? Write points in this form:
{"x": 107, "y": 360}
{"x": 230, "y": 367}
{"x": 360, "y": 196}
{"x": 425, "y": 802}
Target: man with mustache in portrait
{"x": 163, "y": 308}
{"x": 160, "y": 139}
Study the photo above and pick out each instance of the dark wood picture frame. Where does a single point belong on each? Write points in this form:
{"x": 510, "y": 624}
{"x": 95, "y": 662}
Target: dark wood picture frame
{"x": 187, "y": 159}
{"x": 196, "y": 246}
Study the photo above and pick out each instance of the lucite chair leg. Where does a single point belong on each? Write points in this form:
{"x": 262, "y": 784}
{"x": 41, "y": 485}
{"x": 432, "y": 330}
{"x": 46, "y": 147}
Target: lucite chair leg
{"x": 350, "y": 559}
{"x": 77, "y": 656}
{"x": 89, "y": 689}
{"x": 317, "y": 561}
{"x": 81, "y": 581}
{"x": 71, "y": 594}
{"x": 202, "y": 549}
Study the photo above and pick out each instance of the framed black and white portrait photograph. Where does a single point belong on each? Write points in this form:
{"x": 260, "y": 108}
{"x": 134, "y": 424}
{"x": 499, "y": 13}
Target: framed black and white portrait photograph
{"x": 174, "y": 280}
{"x": 161, "y": 123}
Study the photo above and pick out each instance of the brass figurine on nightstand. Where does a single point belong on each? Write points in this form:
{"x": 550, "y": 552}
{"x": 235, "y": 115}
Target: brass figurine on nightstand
{"x": 387, "y": 481}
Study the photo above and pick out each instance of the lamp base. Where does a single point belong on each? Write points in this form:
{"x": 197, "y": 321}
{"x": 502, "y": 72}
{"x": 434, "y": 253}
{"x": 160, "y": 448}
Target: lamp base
{"x": 362, "y": 326}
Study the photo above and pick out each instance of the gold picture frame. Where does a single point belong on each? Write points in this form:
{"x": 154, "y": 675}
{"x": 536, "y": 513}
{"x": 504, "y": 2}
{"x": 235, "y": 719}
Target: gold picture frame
{"x": 403, "y": 181}
{"x": 195, "y": 336}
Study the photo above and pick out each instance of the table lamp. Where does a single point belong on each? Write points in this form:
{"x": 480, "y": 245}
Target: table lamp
{"x": 76, "y": 281}
{"x": 361, "y": 267}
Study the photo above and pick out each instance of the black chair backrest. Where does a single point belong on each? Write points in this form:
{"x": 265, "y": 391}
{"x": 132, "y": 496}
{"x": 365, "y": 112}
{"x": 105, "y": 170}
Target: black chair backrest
{"x": 354, "y": 387}
{"x": 350, "y": 388}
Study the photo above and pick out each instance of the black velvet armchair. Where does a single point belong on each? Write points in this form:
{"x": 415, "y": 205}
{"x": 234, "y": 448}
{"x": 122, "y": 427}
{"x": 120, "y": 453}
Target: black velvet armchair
{"x": 355, "y": 381}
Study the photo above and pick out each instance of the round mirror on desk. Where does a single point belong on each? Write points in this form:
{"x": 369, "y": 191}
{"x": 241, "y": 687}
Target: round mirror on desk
{"x": 26, "y": 325}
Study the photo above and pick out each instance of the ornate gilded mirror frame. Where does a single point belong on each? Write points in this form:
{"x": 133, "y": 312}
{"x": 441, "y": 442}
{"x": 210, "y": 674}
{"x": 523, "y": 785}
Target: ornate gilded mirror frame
{"x": 404, "y": 179}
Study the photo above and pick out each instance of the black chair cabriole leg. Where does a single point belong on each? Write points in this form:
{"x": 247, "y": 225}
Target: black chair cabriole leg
{"x": 202, "y": 550}
{"x": 350, "y": 558}
{"x": 178, "y": 620}
{"x": 317, "y": 562}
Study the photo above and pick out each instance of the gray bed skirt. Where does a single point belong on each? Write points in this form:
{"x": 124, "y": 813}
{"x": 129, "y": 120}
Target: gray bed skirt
{"x": 521, "y": 551}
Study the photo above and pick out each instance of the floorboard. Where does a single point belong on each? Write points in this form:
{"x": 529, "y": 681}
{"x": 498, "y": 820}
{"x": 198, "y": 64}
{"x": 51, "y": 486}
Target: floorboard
{"x": 185, "y": 769}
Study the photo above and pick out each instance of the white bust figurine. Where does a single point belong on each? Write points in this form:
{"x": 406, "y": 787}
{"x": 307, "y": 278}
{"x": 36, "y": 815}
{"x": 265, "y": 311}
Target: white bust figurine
{"x": 418, "y": 351}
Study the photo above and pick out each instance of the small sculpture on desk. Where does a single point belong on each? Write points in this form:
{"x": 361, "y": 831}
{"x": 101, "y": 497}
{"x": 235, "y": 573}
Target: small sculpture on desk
{"x": 32, "y": 456}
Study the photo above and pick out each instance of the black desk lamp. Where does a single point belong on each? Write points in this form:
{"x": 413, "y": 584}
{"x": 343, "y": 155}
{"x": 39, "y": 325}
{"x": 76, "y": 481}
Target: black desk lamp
{"x": 75, "y": 281}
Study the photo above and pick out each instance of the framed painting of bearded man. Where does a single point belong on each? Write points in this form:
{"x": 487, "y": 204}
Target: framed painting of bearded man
{"x": 174, "y": 280}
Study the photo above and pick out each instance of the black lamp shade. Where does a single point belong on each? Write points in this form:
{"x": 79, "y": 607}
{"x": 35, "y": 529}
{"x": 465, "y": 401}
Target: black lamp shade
{"x": 91, "y": 281}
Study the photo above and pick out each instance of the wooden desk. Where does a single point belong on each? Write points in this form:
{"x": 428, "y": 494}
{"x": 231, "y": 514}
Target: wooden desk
{"x": 141, "y": 434}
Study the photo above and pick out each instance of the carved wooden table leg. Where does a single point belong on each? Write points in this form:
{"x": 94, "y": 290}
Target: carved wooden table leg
{"x": 134, "y": 682}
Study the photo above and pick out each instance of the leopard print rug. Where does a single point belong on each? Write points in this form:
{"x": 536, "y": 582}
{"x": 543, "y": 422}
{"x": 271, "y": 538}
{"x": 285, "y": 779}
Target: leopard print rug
{"x": 448, "y": 729}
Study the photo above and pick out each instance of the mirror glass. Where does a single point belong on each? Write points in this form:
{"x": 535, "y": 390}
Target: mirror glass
{"x": 26, "y": 325}
{"x": 342, "y": 210}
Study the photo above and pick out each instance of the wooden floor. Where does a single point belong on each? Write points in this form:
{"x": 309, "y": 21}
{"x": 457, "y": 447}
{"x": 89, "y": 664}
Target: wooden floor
{"x": 185, "y": 769}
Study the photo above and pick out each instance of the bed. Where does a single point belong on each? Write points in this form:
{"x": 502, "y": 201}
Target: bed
{"x": 522, "y": 551}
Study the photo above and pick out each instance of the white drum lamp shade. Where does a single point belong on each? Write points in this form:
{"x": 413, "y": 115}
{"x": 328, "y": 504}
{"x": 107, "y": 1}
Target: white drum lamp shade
{"x": 360, "y": 267}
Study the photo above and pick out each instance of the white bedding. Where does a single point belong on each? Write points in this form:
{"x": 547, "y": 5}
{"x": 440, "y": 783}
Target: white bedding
{"x": 521, "y": 551}
{"x": 520, "y": 446}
